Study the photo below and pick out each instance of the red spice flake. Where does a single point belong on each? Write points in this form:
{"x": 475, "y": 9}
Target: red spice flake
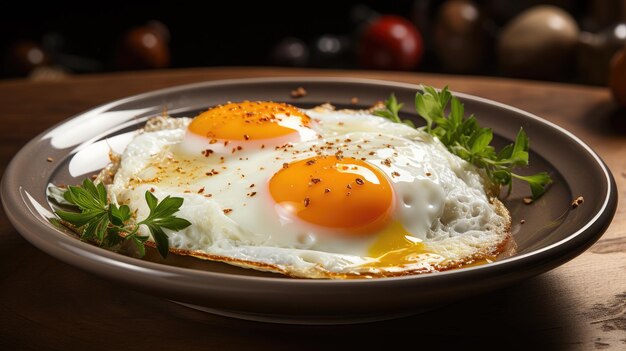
{"x": 349, "y": 186}
{"x": 315, "y": 180}
{"x": 227, "y": 210}
{"x": 262, "y": 146}
{"x": 326, "y": 191}
{"x": 207, "y": 152}
{"x": 347, "y": 140}
{"x": 298, "y": 92}
{"x": 152, "y": 190}
{"x": 310, "y": 162}
{"x": 348, "y": 193}
{"x": 359, "y": 181}
{"x": 49, "y": 159}
{"x": 428, "y": 174}
{"x": 246, "y": 137}
{"x": 252, "y": 185}
{"x": 201, "y": 190}
{"x": 212, "y": 173}
{"x": 251, "y": 194}
{"x": 285, "y": 165}
{"x": 208, "y": 195}
{"x": 395, "y": 174}
{"x": 307, "y": 202}
{"x": 386, "y": 162}
{"x": 371, "y": 153}
{"x": 577, "y": 202}
{"x": 363, "y": 158}
{"x": 226, "y": 142}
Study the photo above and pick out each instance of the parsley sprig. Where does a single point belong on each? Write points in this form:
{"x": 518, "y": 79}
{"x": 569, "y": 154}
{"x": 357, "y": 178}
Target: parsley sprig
{"x": 465, "y": 138}
{"x": 108, "y": 224}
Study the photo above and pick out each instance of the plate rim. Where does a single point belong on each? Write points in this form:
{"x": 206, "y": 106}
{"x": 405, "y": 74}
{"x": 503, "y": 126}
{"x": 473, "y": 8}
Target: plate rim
{"x": 108, "y": 258}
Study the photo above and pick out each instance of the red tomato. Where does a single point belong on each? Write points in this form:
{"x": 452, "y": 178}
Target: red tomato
{"x": 390, "y": 42}
{"x": 617, "y": 79}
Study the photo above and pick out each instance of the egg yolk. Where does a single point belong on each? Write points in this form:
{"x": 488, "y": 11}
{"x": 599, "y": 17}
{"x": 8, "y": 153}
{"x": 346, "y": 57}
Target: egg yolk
{"x": 347, "y": 195}
{"x": 249, "y": 120}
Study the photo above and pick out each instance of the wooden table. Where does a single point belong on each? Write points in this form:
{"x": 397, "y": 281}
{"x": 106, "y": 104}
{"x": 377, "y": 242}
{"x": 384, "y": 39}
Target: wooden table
{"x": 46, "y": 304}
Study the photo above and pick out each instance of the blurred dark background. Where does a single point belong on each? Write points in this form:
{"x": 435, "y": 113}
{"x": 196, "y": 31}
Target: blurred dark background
{"x": 558, "y": 40}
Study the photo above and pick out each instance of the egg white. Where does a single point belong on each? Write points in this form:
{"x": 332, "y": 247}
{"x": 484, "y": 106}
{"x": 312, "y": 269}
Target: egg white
{"x": 440, "y": 199}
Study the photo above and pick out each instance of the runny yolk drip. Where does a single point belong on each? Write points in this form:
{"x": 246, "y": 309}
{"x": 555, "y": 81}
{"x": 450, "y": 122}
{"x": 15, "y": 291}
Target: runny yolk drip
{"x": 249, "y": 121}
{"x": 349, "y": 196}
{"x": 395, "y": 246}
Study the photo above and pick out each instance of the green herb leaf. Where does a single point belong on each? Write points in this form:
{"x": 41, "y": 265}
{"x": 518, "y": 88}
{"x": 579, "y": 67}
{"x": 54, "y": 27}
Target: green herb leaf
{"x": 392, "y": 111}
{"x": 160, "y": 238}
{"x": 466, "y": 139}
{"x": 108, "y": 224}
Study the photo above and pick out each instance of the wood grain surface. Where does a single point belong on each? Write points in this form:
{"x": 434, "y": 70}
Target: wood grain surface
{"x": 48, "y": 305}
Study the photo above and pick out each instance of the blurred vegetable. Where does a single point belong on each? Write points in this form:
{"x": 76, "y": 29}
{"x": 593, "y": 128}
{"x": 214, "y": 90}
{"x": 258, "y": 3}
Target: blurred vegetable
{"x": 390, "y": 42}
{"x": 617, "y": 79}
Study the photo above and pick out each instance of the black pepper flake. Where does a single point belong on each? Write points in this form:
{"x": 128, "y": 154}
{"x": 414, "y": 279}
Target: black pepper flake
{"x": 315, "y": 180}
{"x": 207, "y": 152}
{"x": 428, "y": 174}
{"x": 359, "y": 181}
{"x": 349, "y": 186}
{"x": 307, "y": 202}
{"x": 227, "y": 210}
{"x": 298, "y": 92}
{"x": 285, "y": 165}
{"x": 201, "y": 190}
{"x": 246, "y": 137}
{"x": 252, "y": 185}
{"x": 395, "y": 174}
{"x": 252, "y": 194}
{"x": 577, "y": 202}
{"x": 386, "y": 162}
{"x": 310, "y": 162}
{"x": 326, "y": 191}
{"x": 372, "y": 153}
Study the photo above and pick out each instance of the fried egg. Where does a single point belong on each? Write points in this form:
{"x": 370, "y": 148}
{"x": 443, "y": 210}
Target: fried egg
{"x": 316, "y": 193}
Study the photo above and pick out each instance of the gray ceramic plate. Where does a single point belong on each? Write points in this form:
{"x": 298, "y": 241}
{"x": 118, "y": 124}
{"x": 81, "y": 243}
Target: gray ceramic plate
{"x": 552, "y": 234}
